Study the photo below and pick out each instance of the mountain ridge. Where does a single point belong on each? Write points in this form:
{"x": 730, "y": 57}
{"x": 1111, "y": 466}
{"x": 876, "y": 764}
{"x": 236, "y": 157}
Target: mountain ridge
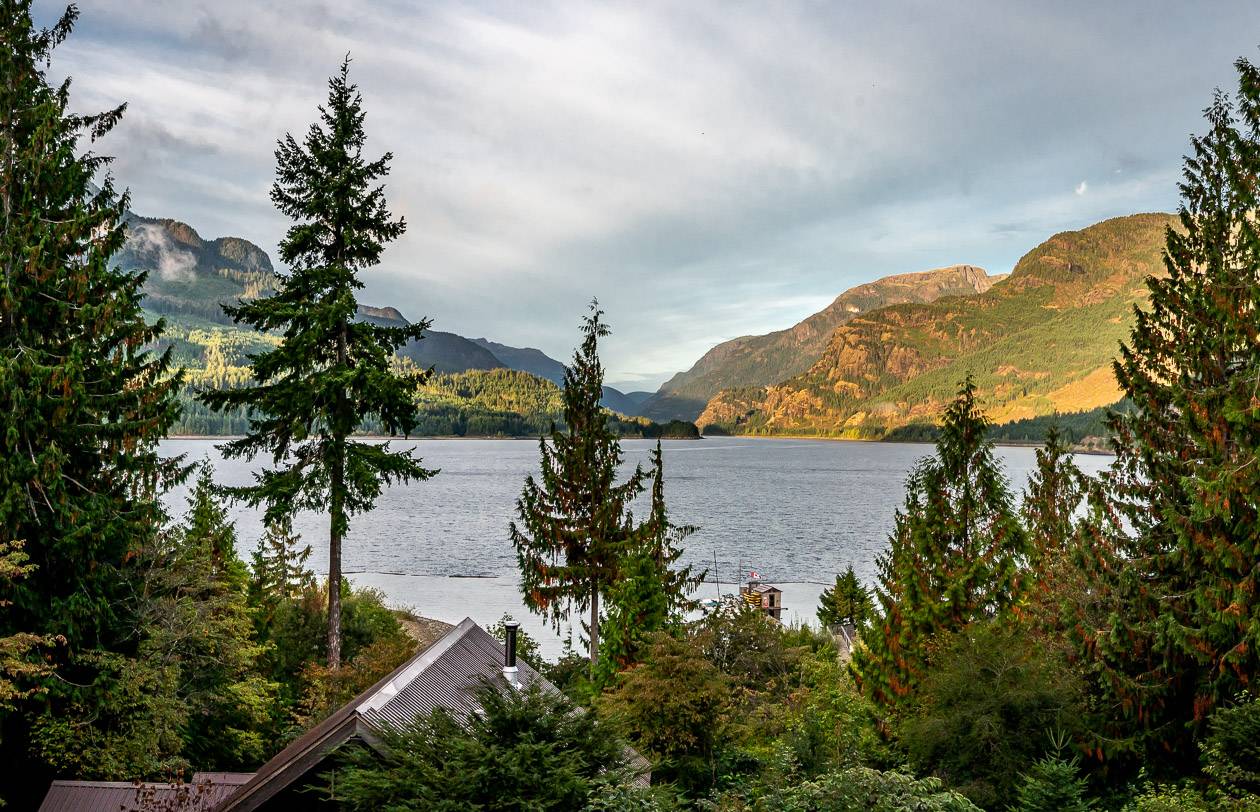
{"x": 1040, "y": 342}
{"x": 762, "y": 360}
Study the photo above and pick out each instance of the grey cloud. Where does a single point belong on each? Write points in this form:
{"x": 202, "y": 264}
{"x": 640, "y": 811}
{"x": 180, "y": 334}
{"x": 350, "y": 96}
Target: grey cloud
{"x": 707, "y": 169}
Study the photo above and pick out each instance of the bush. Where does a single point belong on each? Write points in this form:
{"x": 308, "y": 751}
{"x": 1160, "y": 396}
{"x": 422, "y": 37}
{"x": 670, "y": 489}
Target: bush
{"x": 985, "y": 708}
{"x": 1231, "y": 752}
{"x": 858, "y": 789}
{"x": 674, "y": 707}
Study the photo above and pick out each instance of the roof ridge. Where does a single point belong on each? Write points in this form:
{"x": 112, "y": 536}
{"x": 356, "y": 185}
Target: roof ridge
{"x": 383, "y": 691}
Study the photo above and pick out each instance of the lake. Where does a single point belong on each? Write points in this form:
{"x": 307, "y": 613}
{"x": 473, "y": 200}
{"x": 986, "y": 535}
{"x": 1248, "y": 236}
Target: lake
{"x": 795, "y": 511}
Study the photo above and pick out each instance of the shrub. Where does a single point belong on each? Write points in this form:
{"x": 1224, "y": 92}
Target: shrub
{"x": 984, "y": 709}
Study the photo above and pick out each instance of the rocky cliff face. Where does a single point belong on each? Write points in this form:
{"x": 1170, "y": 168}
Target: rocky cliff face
{"x": 755, "y": 361}
{"x": 1042, "y": 341}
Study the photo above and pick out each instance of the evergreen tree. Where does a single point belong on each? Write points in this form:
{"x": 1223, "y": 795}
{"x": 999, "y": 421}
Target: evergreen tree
{"x": 651, "y": 593}
{"x": 955, "y": 555}
{"x": 331, "y": 373}
{"x": 847, "y": 603}
{"x": 83, "y": 402}
{"x": 1181, "y": 555}
{"x": 1053, "y": 785}
{"x": 575, "y": 523}
{"x": 279, "y": 572}
{"x": 196, "y": 620}
{"x": 1054, "y": 494}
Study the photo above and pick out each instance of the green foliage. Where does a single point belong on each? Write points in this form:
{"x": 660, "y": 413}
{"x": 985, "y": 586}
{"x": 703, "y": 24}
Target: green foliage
{"x": 1053, "y": 785}
{"x": 1231, "y": 750}
{"x": 846, "y": 603}
{"x": 857, "y": 789}
{"x": 652, "y": 591}
{"x": 330, "y": 373}
{"x": 828, "y": 724}
{"x": 955, "y": 555}
{"x": 674, "y": 707}
{"x": 985, "y": 708}
{"x": 1178, "y": 554}
{"x": 575, "y": 522}
{"x": 82, "y": 405}
{"x": 196, "y": 620}
{"x": 125, "y": 720}
{"x": 527, "y": 750}
{"x": 1053, "y": 497}
{"x": 19, "y": 669}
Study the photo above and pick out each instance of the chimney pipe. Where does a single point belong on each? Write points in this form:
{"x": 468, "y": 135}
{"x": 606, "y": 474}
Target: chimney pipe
{"x": 510, "y": 672}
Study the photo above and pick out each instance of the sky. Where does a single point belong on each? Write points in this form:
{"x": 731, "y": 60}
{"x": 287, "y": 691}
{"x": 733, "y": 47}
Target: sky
{"x": 707, "y": 170}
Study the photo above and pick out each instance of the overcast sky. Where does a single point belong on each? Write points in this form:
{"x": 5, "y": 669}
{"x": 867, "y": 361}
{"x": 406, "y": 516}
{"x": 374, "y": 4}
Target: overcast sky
{"x": 707, "y": 170}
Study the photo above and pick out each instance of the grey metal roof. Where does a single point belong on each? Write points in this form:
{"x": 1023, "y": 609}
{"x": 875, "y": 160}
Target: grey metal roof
{"x": 446, "y": 675}
{"x": 201, "y": 794}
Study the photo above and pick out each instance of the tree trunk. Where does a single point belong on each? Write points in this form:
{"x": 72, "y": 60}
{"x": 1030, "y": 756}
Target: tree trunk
{"x": 336, "y": 504}
{"x": 334, "y": 563}
{"x": 594, "y": 625}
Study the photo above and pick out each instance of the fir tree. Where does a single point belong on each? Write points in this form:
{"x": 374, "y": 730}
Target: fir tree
{"x": 1054, "y": 494}
{"x": 652, "y": 593}
{"x": 278, "y": 569}
{"x": 846, "y": 603}
{"x": 331, "y": 373}
{"x": 575, "y": 523}
{"x": 955, "y": 556}
{"x": 1181, "y": 556}
{"x": 83, "y": 402}
{"x": 196, "y": 620}
{"x": 1053, "y": 785}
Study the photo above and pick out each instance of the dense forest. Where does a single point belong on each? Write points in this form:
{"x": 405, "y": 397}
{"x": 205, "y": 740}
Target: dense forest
{"x": 1091, "y": 646}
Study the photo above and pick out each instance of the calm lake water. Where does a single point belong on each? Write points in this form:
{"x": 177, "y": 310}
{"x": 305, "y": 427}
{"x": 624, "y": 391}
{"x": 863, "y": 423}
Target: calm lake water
{"x": 795, "y": 511}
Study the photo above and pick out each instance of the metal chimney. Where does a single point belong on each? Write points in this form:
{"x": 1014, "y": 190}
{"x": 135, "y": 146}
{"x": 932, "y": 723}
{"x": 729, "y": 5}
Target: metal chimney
{"x": 510, "y": 672}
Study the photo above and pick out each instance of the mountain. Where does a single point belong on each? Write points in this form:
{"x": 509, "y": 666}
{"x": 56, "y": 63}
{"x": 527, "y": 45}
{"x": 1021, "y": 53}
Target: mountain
{"x": 445, "y": 352}
{"x": 536, "y": 362}
{"x": 1040, "y": 342}
{"x": 190, "y": 276}
{"x": 525, "y": 359}
{"x": 628, "y": 403}
{"x": 756, "y": 361}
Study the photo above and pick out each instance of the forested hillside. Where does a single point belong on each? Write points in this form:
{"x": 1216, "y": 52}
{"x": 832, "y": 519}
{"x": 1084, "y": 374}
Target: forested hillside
{"x": 755, "y": 361}
{"x": 1040, "y": 342}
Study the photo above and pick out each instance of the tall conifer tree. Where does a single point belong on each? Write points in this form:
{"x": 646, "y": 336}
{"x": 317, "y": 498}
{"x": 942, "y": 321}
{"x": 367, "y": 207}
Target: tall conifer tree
{"x": 331, "y": 372}
{"x": 83, "y": 402}
{"x": 575, "y": 523}
{"x": 955, "y": 555}
{"x": 1182, "y": 558}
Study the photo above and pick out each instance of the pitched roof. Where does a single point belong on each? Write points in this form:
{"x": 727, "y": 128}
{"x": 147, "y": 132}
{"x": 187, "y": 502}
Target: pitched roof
{"x": 199, "y": 795}
{"x": 761, "y": 588}
{"x": 446, "y": 675}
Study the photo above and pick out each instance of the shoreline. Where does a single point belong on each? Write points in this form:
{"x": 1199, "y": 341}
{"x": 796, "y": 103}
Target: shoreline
{"x": 1074, "y": 449}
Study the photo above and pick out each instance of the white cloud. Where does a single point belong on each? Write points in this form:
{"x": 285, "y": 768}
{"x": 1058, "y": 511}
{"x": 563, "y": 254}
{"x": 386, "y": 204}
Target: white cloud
{"x": 1081, "y": 189}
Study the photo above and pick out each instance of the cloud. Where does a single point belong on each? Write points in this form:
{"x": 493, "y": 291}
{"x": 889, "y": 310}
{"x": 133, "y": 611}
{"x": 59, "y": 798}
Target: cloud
{"x": 151, "y": 243}
{"x": 669, "y": 158}
{"x": 1081, "y": 189}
